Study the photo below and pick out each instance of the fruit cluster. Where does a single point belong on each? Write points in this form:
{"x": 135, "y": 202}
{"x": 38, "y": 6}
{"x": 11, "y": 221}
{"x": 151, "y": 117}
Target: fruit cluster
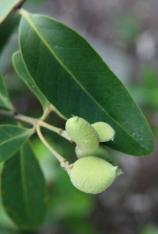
{"x": 90, "y": 173}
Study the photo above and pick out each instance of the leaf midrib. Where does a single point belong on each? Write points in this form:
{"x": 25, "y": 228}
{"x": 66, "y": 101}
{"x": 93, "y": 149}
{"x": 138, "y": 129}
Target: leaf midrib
{"x": 24, "y": 184}
{"x": 35, "y": 29}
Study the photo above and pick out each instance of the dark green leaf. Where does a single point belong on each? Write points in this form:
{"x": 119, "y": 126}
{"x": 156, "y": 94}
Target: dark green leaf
{"x": 23, "y": 73}
{"x": 8, "y": 231}
{"x": 4, "y": 98}
{"x": 23, "y": 189}
{"x": 11, "y": 139}
{"x": 76, "y": 80}
{"x": 6, "y": 29}
{"x": 7, "y": 6}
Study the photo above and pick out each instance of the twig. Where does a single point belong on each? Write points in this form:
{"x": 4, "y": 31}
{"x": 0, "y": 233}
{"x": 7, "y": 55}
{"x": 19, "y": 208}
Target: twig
{"x": 7, "y": 113}
{"x": 59, "y": 131}
{"x": 61, "y": 159}
{"x": 37, "y": 122}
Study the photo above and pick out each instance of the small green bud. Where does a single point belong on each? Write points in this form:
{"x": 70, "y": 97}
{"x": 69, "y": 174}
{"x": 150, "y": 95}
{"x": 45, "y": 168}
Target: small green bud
{"x": 82, "y": 133}
{"x": 92, "y": 175}
{"x": 105, "y": 131}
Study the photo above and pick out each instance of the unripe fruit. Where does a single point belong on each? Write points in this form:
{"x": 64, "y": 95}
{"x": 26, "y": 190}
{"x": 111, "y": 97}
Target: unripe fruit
{"x": 105, "y": 131}
{"x": 82, "y": 133}
{"x": 92, "y": 175}
{"x": 98, "y": 152}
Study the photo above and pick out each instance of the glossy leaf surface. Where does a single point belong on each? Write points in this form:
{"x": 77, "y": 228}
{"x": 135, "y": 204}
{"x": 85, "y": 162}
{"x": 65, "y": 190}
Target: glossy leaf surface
{"x": 77, "y": 81}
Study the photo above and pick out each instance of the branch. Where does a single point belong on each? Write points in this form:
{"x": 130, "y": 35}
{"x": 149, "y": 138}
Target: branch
{"x": 36, "y": 122}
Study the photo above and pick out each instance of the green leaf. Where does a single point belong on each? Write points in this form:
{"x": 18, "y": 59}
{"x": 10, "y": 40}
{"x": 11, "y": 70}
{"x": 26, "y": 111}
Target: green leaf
{"x": 23, "y": 189}
{"x": 7, "y": 28}
{"x": 4, "y": 98}
{"x": 11, "y": 139}
{"x": 7, "y": 6}
{"x": 77, "y": 81}
{"x": 23, "y": 73}
{"x": 8, "y": 231}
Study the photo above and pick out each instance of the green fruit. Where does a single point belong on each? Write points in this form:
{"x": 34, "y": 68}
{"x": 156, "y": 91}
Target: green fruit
{"x": 98, "y": 152}
{"x": 82, "y": 133}
{"x": 92, "y": 175}
{"x": 105, "y": 131}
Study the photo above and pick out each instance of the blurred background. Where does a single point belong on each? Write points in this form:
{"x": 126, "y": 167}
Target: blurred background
{"x": 125, "y": 33}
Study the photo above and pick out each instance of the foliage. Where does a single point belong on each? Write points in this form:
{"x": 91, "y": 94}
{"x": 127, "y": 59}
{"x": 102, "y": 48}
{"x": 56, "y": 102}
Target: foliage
{"x": 68, "y": 77}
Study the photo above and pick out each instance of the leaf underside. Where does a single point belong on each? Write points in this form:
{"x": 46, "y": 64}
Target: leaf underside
{"x": 23, "y": 73}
